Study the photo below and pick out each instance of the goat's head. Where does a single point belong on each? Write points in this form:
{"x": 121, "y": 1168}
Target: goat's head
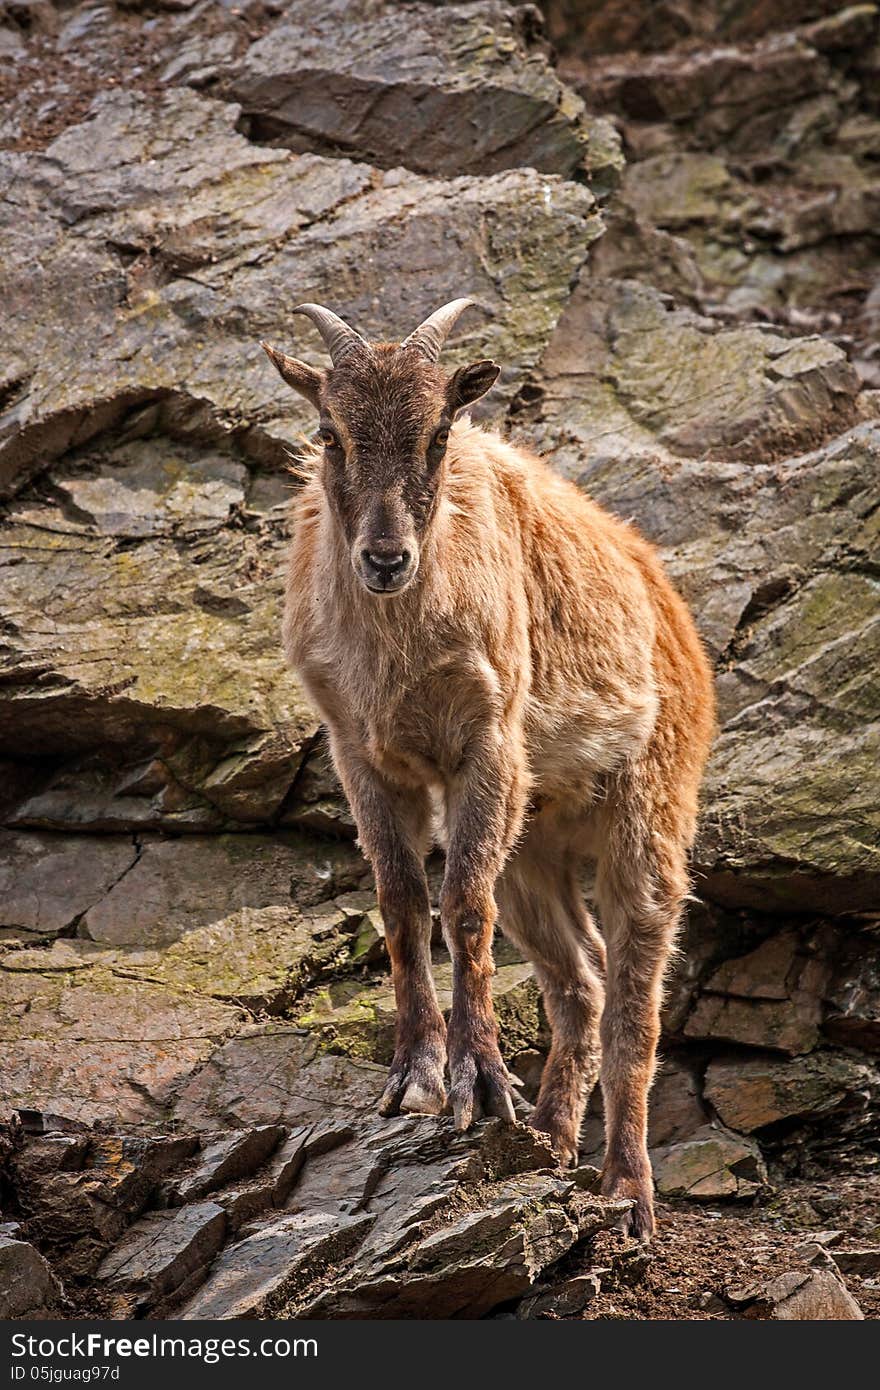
{"x": 385, "y": 414}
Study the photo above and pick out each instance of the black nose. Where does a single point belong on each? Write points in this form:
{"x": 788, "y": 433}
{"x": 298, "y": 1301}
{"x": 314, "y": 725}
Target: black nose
{"x": 385, "y": 564}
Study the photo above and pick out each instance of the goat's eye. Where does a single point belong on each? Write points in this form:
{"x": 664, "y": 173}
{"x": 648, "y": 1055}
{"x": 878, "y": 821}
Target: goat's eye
{"x": 328, "y": 439}
{"x": 441, "y": 439}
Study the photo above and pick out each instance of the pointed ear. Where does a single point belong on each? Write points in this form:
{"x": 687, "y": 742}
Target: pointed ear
{"x": 303, "y": 378}
{"x": 470, "y": 383}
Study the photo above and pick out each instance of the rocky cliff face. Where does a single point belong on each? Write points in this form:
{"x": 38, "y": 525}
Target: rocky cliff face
{"x": 674, "y": 235}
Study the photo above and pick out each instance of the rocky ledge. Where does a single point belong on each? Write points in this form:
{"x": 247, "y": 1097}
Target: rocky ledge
{"x": 335, "y": 1217}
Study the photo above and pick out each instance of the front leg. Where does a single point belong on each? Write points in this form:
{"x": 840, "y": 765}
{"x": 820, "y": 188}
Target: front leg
{"x": 394, "y": 828}
{"x": 486, "y": 804}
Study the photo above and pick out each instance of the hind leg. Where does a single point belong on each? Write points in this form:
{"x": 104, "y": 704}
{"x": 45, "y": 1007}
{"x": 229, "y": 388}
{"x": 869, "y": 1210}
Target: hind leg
{"x": 641, "y": 884}
{"x": 542, "y": 912}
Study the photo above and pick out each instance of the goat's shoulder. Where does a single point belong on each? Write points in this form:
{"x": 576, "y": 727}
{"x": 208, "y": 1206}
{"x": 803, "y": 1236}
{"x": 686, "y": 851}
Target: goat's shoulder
{"x": 532, "y": 504}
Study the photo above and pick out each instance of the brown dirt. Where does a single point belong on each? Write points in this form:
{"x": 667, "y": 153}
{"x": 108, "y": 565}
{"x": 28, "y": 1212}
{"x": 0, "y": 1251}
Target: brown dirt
{"x": 46, "y": 91}
{"x": 699, "y": 1251}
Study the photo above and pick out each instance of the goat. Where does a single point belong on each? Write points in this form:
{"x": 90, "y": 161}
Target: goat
{"x": 502, "y": 664}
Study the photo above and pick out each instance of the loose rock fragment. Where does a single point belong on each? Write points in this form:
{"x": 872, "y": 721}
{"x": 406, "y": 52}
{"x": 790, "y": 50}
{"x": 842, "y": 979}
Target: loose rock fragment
{"x": 563, "y": 1300}
{"x": 771, "y": 998}
{"x": 750, "y": 1094}
{"x": 816, "y": 1293}
{"x": 865, "y": 1263}
{"x": 711, "y": 1164}
{"x": 79, "y": 1199}
{"x": 28, "y": 1288}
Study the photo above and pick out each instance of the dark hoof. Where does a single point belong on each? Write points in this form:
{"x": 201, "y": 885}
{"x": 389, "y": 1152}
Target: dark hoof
{"x": 561, "y": 1135}
{"x": 638, "y": 1223}
{"x": 479, "y": 1085}
{"x": 415, "y": 1082}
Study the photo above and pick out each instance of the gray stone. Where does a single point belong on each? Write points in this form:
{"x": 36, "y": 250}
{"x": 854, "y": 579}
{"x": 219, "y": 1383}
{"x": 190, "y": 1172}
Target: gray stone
{"x": 275, "y": 1074}
{"x": 149, "y": 489}
{"x": 285, "y": 1164}
{"x": 228, "y": 1157}
{"x": 863, "y": 1263}
{"x": 319, "y": 803}
{"x": 751, "y": 1093}
{"x": 408, "y": 1214}
{"x": 770, "y": 998}
{"x": 28, "y": 1288}
{"x": 814, "y": 1293}
{"x": 251, "y": 1277}
{"x": 457, "y": 90}
{"x": 89, "y": 1041}
{"x": 468, "y": 1266}
{"x": 181, "y": 885}
{"x": 563, "y": 1300}
{"x": 42, "y": 1157}
{"x": 675, "y": 1110}
{"x": 47, "y": 882}
{"x": 164, "y": 1250}
{"x": 262, "y": 958}
{"x": 628, "y": 373}
{"x": 462, "y": 1222}
{"x": 697, "y": 88}
{"x": 81, "y": 1209}
{"x": 711, "y": 1164}
{"x": 170, "y": 706}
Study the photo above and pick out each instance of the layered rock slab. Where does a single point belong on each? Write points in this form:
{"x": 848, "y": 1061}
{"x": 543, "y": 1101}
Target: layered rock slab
{"x": 416, "y": 1221}
{"x": 178, "y": 886}
{"x": 754, "y": 1093}
{"x": 712, "y": 1163}
{"x": 778, "y": 562}
{"x": 47, "y": 882}
{"x": 813, "y": 1293}
{"x": 159, "y": 1254}
{"x": 28, "y": 1288}
{"x": 142, "y": 662}
{"x": 275, "y": 1073}
{"x": 751, "y": 185}
{"x": 80, "y": 1039}
{"x": 651, "y": 27}
{"x": 100, "y": 1031}
{"x": 370, "y": 1218}
{"x": 455, "y": 90}
{"x": 771, "y": 998}
{"x": 178, "y": 244}
{"x": 629, "y": 372}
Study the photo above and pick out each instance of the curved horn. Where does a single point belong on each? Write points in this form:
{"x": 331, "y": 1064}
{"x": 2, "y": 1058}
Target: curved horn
{"x": 430, "y": 336}
{"x": 339, "y": 339}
